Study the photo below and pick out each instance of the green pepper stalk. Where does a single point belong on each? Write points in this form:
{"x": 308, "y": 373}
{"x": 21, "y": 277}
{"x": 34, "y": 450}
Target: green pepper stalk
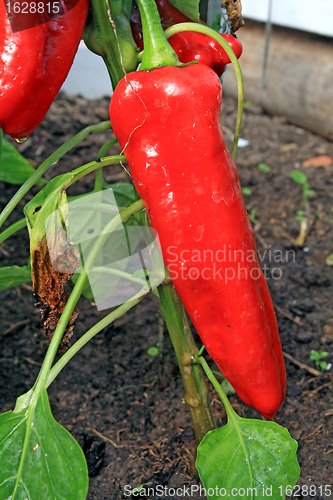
{"x": 108, "y": 34}
{"x": 157, "y": 51}
{"x": 195, "y": 387}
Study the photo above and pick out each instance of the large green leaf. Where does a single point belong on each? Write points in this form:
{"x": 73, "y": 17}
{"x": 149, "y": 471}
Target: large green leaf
{"x": 124, "y": 193}
{"x": 188, "y": 7}
{"x": 39, "y": 458}
{"x": 14, "y": 168}
{"x": 253, "y": 457}
{"x": 14, "y": 275}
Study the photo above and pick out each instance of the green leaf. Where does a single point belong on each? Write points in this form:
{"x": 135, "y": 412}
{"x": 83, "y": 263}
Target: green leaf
{"x": 252, "y": 214}
{"x": 188, "y": 7}
{"x": 329, "y": 260}
{"x": 247, "y": 104}
{"x": 140, "y": 274}
{"x": 300, "y": 215}
{"x": 309, "y": 192}
{"x": 23, "y": 401}
{"x": 14, "y": 168}
{"x": 39, "y": 458}
{"x": 298, "y": 177}
{"x": 124, "y": 193}
{"x": 253, "y": 457}
{"x": 87, "y": 217}
{"x": 87, "y": 291}
{"x": 51, "y": 197}
{"x": 263, "y": 167}
{"x": 246, "y": 191}
{"x": 227, "y": 387}
{"x": 216, "y": 25}
{"x": 152, "y": 351}
{"x": 14, "y": 275}
{"x": 314, "y": 355}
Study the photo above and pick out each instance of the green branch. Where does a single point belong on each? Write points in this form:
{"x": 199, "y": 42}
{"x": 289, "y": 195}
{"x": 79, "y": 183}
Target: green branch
{"x": 157, "y": 51}
{"x": 49, "y": 162}
{"x": 20, "y": 224}
{"x": 196, "y": 391}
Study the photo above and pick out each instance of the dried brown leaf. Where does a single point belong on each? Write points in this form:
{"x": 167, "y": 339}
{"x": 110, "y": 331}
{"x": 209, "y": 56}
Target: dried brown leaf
{"x": 49, "y": 285}
{"x": 234, "y": 11}
{"x": 318, "y": 161}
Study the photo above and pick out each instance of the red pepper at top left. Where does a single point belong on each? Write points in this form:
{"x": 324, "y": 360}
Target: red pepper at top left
{"x": 34, "y": 64}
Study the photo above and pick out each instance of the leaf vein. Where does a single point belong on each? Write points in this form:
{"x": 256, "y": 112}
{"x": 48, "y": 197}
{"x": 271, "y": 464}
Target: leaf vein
{"x": 45, "y": 461}
{"x": 26, "y": 489}
{"x": 13, "y": 430}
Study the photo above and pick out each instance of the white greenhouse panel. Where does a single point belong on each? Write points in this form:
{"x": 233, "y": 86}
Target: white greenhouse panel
{"x": 308, "y": 15}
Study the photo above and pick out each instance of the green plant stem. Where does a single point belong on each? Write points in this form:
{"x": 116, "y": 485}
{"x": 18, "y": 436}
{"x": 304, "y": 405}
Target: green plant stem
{"x": 99, "y": 179}
{"x": 108, "y": 33}
{"x": 117, "y": 313}
{"x": 120, "y": 274}
{"x": 101, "y": 207}
{"x": 196, "y": 390}
{"x": 76, "y": 293}
{"x": 20, "y": 224}
{"x": 48, "y": 360}
{"x": 86, "y": 169}
{"x": 232, "y": 415}
{"x": 200, "y": 28}
{"x": 106, "y": 147}
{"x": 157, "y": 51}
{"x": 51, "y": 160}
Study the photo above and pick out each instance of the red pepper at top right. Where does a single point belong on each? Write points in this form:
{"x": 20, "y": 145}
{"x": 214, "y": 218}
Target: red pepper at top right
{"x": 189, "y": 45}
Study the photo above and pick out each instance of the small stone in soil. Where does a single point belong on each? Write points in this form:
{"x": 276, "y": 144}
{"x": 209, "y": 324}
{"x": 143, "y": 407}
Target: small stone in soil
{"x": 294, "y": 390}
{"x": 307, "y": 305}
{"x": 305, "y": 337}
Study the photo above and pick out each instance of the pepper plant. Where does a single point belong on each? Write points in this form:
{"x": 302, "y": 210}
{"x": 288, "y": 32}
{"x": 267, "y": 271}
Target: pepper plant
{"x": 187, "y": 198}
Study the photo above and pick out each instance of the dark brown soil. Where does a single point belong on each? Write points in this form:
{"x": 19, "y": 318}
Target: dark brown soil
{"x": 130, "y": 419}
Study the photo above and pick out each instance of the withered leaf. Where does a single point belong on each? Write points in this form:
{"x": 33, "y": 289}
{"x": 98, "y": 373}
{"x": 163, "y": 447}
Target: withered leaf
{"x": 318, "y": 161}
{"x": 49, "y": 283}
{"x": 53, "y": 258}
{"x": 234, "y": 11}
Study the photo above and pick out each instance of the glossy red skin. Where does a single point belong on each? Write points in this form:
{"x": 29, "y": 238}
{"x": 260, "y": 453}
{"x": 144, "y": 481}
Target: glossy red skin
{"x": 191, "y": 46}
{"x": 167, "y": 122}
{"x": 34, "y": 64}
{"x": 188, "y": 45}
{"x": 169, "y": 15}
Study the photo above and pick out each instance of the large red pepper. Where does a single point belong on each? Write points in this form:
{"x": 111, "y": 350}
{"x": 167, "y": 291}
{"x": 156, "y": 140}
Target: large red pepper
{"x": 168, "y": 123}
{"x": 188, "y": 45}
{"x": 33, "y": 65}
